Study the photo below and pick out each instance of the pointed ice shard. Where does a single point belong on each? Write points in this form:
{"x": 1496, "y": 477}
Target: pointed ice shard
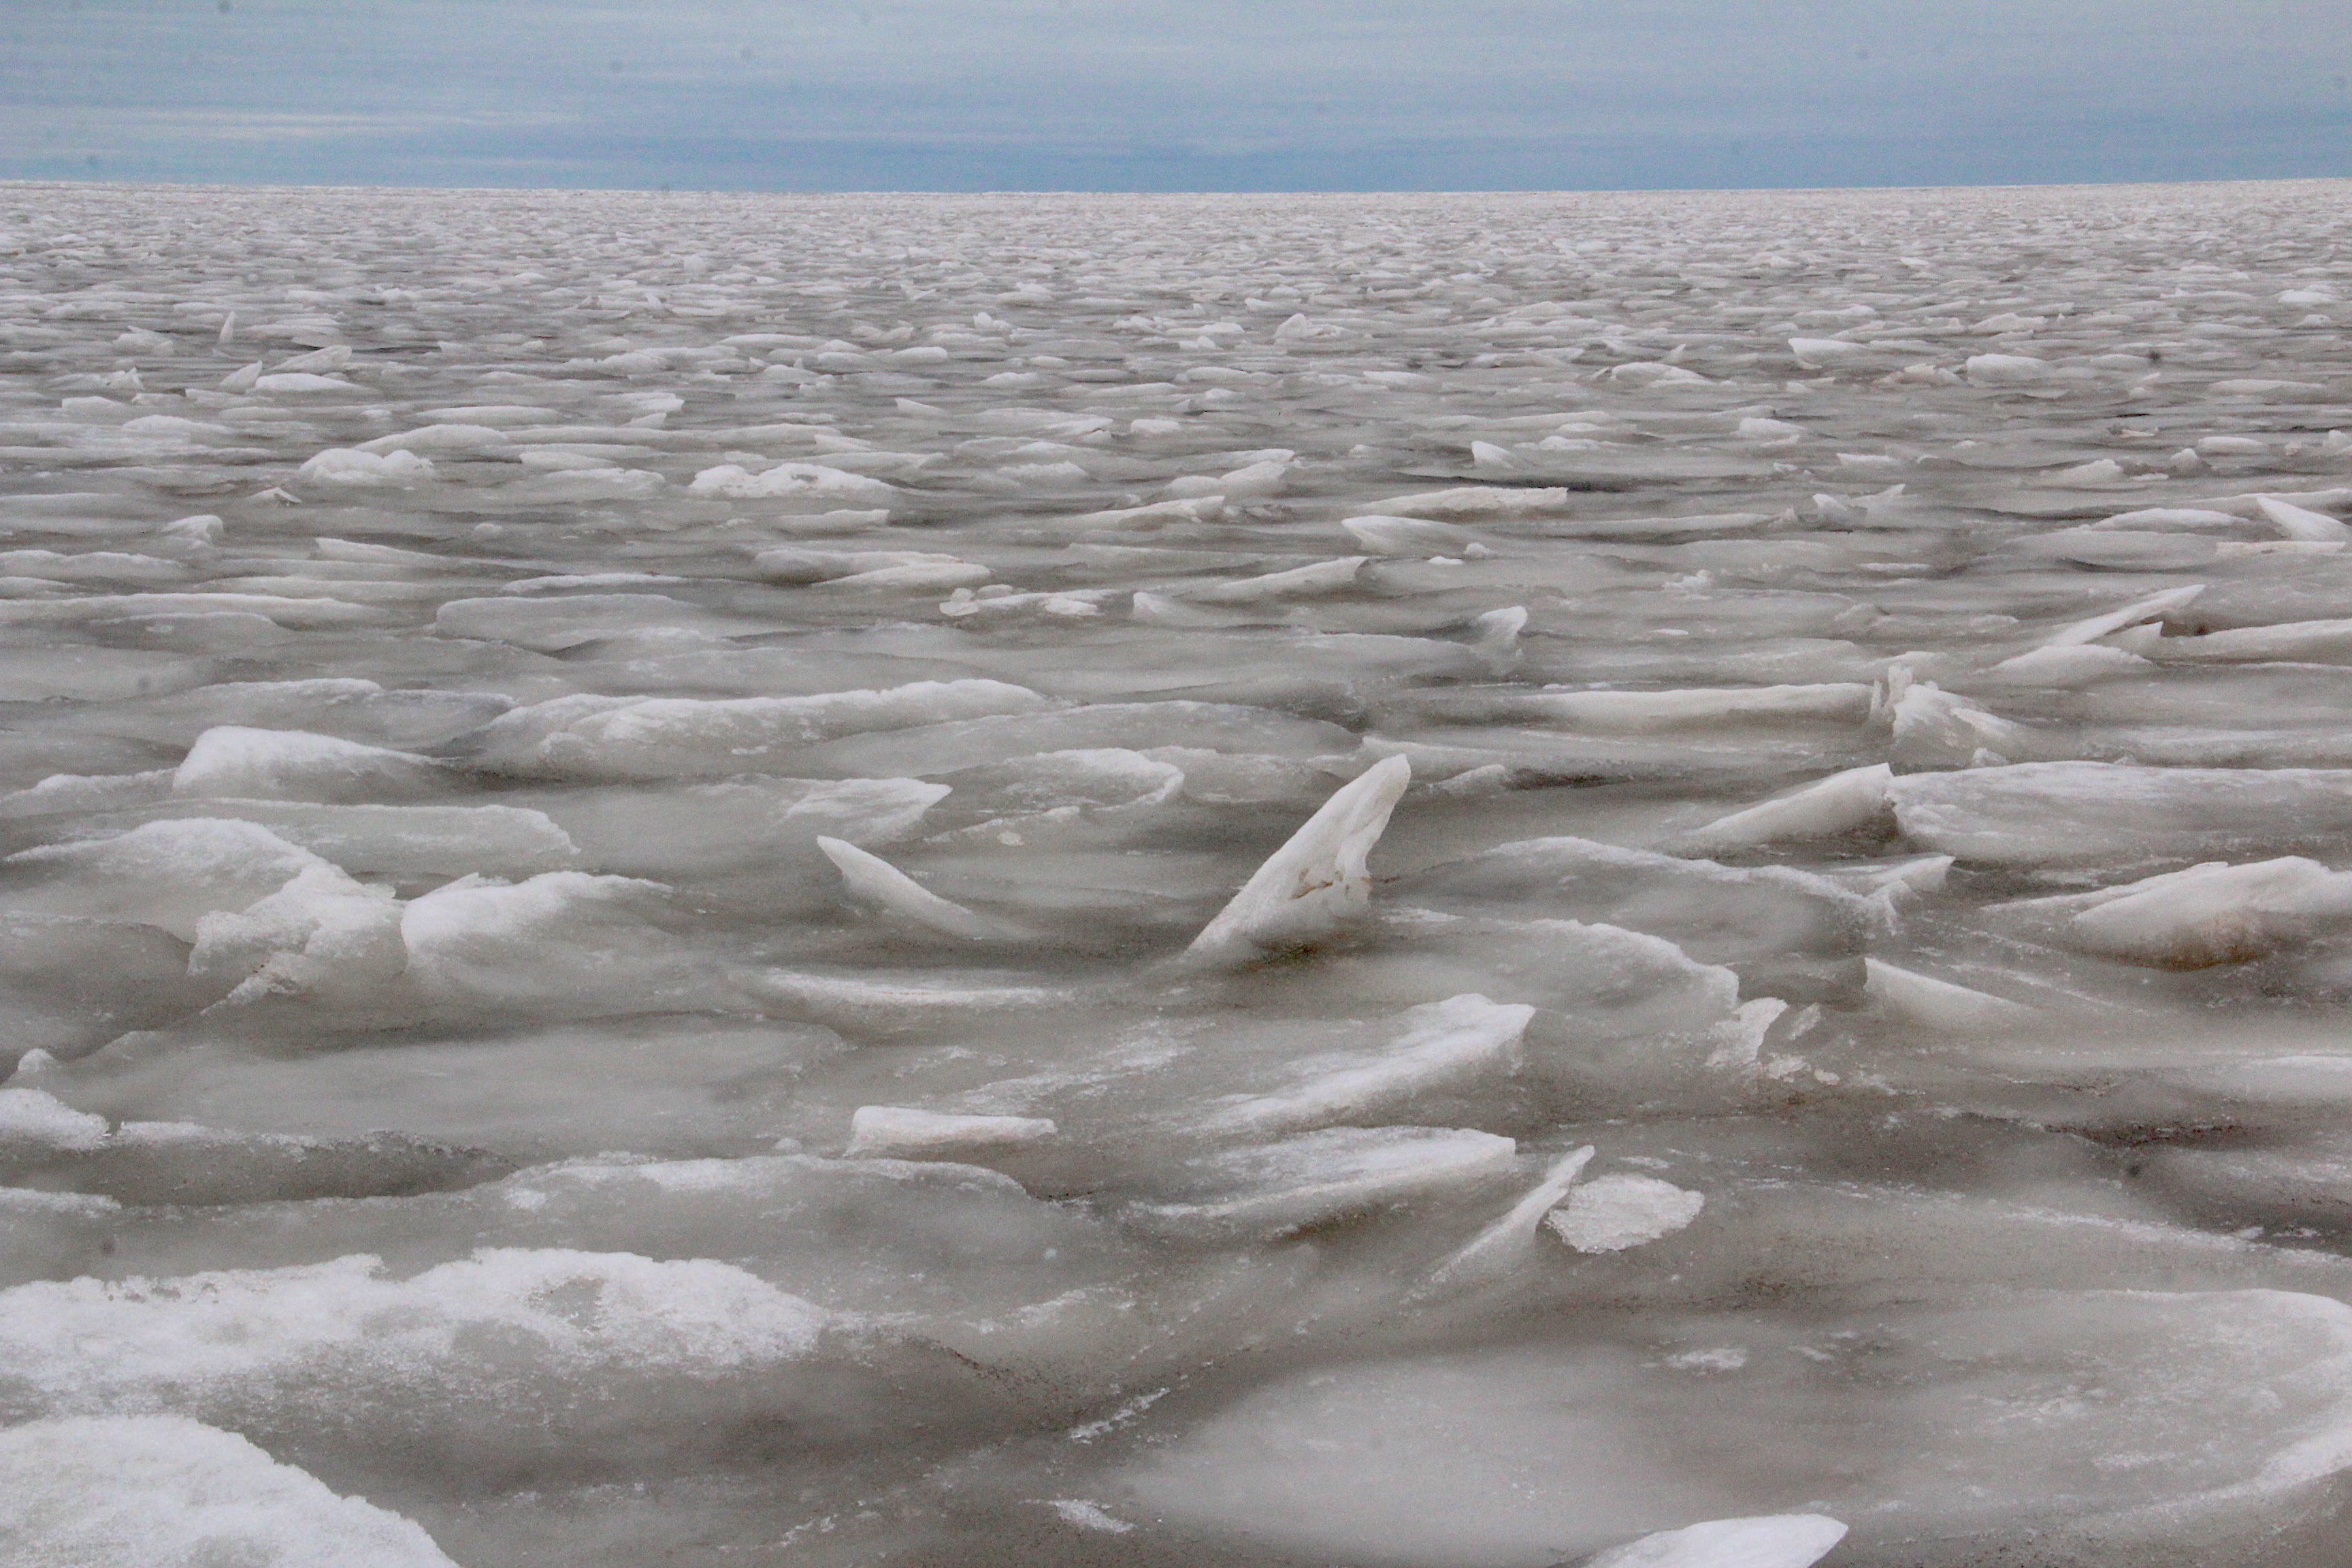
{"x": 871, "y": 880}
{"x": 2301, "y": 523}
{"x": 1938, "y": 1004}
{"x": 2149, "y": 609}
{"x": 1508, "y": 1242}
{"x": 1310, "y": 884}
{"x": 1841, "y": 803}
{"x": 1498, "y": 634}
{"x": 1778, "y": 1541}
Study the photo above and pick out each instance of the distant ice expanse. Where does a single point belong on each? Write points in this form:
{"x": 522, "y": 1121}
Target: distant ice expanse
{"x": 1194, "y": 882}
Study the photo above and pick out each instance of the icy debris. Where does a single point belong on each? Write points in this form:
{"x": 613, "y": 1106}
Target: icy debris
{"x": 1406, "y": 535}
{"x": 168, "y": 873}
{"x": 658, "y": 737}
{"x": 899, "y": 1132}
{"x": 1442, "y": 1044}
{"x": 1635, "y": 712}
{"x": 1273, "y": 1189}
{"x": 1772, "y": 1540}
{"x": 1935, "y": 728}
{"x": 321, "y": 932}
{"x": 2074, "y": 814}
{"x": 870, "y": 879}
{"x": 1308, "y": 887}
{"x": 795, "y": 482}
{"x": 346, "y": 467}
{"x": 1322, "y": 577}
{"x": 2150, "y": 608}
{"x": 163, "y": 1491}
{"x": 288, "y": 765}
{"x": 524, "y": 1330}
{"x": 32, "y": 1119}
{"x": 1851, "y": 801}
{"x": 1509, "y": 1242}
{"x": 2319, "y": 642}
{"x": 2006, "y": 370}
{"x": 556, "y": 935}
{"x": 2213, "y": 913}
{"x": 416, "y": 850}
{"x": 1940, "y": 1004}
{"x": 1474, "y": 501}
{"x": 2067, "y": 665}
{"x": 1612, "y": 1213}
{"x": 2301, "y": 523}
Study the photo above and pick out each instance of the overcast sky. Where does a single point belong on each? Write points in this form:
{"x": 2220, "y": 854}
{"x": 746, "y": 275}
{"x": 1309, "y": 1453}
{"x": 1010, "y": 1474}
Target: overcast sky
{"x": 1174, "y": 94}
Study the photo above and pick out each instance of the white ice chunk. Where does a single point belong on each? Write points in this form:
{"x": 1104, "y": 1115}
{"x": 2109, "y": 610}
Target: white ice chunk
{"x": 1509, "y": 1241}
{"x": 1938, "y": 727}
{"x": 1769, "y": 1541}
{"x": 898, "y": 1132}
{"x": 467, "y": 936}
{"x": 2147, "y": 609}
{"x": 1306, "y": 887}
{"x": 1475, "y": 502}
{"x": 1322, "y": 577}
{"x": 1442, "y": 1044}
{"x": 347, "y": 467}
{"x": 2070, "y": 665}
{"x": 561, "y": 1322}
{"x": 163, "y": 1491}
{"x": 1638, "y": 710}
{"x": 30, "y": 1117}
{"x": 814, "y": 483}
{"x": 232, "y": 761}
{"x": 168, "y": 873}
{"x": 2303, "y": 641}
{"x": 321, "y": 932}
{"x": 1406, "y": 535}
{"x": 1850, "y": 802}
{"x": 1938, "y": 1004}
{"x": 871, "y": 880}
{"x": 2301, "y": 523}
{"x": 1274, "y": 1189}
{"x": 2065, "y": 814}
{"x": 1613, "y": 1213}
{"x": 2006, "y": 370}
{"x": 2215, "y": 914}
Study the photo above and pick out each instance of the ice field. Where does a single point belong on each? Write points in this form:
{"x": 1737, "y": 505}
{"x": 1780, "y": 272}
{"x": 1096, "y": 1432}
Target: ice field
{"x": 1222, "y": 882}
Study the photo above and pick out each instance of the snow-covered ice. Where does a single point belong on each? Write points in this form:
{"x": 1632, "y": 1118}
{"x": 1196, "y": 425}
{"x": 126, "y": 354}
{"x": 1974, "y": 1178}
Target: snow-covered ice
{"x": 1659, "y": 881}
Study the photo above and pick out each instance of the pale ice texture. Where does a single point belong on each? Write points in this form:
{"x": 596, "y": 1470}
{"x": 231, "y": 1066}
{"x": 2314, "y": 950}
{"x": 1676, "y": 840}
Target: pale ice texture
{"x": 1499, "y": 881}
{"x": 163, "y": 1491}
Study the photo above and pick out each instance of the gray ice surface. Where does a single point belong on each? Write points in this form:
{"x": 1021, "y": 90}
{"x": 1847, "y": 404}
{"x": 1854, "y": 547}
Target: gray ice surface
{"x": 1222, "y": 882}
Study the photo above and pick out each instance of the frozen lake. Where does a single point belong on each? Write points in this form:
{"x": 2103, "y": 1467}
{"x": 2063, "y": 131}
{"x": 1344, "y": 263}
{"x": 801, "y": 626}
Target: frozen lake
{"x": 1191, "y": 882}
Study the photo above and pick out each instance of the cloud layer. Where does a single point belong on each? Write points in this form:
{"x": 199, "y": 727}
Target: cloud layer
{"x": 1174, "y": 94}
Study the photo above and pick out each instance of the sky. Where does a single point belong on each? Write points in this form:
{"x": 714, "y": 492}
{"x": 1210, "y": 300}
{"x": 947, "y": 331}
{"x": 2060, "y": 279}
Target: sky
{"x": 1174, "y": 95}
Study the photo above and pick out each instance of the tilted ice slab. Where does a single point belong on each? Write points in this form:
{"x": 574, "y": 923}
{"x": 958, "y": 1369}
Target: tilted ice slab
{"x": 2073, "y": 813}
{"x": 1442, "y": 1044}
{"x": 1311, "y": 885}
{"x": 1274, "y": 1189}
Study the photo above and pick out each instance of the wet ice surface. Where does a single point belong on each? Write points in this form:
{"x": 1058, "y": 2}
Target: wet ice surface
{"x": 1405, "y": 881}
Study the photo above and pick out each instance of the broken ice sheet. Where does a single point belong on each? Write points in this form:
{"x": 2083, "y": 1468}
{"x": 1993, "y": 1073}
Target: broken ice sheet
{"x": 653, "y": 764}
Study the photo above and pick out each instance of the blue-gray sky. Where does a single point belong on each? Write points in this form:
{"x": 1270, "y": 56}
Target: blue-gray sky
{"x": 1174, "y": 94}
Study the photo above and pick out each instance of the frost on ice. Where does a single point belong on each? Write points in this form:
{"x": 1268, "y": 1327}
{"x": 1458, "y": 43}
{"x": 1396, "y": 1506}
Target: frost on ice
{"x": 1450, "y": 883}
